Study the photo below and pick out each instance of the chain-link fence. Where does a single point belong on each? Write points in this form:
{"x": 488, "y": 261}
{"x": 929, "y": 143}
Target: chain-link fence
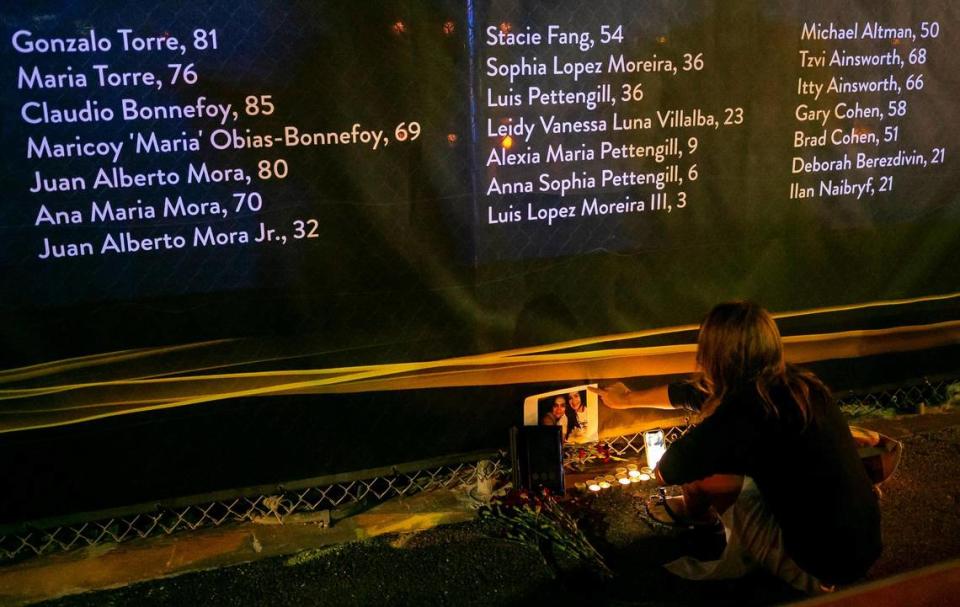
{"x": 900, "y": 400}
{"x": 164, "y": 520}
{"x": 34, "y": 540}
{"x": 630, "y": 445}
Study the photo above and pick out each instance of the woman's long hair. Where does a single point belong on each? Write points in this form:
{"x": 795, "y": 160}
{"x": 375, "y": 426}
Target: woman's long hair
{"x": 739, "y": 350}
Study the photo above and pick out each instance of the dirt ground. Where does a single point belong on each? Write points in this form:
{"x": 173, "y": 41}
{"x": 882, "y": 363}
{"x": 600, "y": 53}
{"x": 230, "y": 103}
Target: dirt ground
{"x": 465, "y": 565}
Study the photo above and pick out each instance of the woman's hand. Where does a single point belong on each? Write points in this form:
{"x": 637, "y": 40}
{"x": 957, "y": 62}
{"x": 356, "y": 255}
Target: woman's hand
{"x": 615, "y": 396}
{"x": 619, "y": 396}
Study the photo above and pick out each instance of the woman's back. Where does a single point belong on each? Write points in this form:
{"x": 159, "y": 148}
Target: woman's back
{"x": 778, "y": 424}
{"x": 817, "y": 488}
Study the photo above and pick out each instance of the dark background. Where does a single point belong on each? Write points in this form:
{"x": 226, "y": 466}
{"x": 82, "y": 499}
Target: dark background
{"x": 403, "y": 262}
{"x": 402, "y": 271}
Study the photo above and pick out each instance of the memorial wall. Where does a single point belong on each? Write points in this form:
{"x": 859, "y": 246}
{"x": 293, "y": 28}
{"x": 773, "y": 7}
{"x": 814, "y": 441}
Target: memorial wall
{"x": 331, "y": 224}
{"x": 404, "y": 180}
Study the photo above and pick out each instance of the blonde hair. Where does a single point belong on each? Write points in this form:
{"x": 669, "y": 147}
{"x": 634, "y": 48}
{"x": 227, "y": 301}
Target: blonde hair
{"x": 739, "y": 349}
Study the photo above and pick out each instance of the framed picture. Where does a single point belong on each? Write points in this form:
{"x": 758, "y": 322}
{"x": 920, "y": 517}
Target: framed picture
{"x": 574, "y": 409}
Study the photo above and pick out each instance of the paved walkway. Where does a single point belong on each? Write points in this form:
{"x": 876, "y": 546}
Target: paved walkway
{"x": 414, "y": 554}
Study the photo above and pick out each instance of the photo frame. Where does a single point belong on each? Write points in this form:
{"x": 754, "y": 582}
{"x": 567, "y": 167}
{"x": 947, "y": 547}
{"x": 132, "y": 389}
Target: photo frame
{"x": 580, "y": 415}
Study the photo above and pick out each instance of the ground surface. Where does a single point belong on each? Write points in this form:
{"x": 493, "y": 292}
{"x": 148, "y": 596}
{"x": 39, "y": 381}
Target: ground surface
{"x": 464, "y": 565}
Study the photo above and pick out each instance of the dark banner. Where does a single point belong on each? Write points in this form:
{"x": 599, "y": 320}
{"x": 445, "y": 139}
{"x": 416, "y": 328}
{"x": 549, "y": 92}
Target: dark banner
{"x": 408, "y": 180}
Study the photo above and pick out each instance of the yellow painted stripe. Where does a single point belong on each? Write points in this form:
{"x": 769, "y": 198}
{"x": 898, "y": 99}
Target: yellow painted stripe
{"x": 472, "y": 371}
{"x": 109, "y": 358}
{"x": 112, "y": 358}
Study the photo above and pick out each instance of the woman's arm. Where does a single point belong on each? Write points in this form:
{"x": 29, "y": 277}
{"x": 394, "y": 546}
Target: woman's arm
{"x": 619, "y": 396}
{"x": 723, "y": 443}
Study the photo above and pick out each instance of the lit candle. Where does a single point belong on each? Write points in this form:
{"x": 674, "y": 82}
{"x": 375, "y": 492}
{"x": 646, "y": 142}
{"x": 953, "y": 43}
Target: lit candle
{"x": 604, "y": 484}
{"x": 643, "y": 477}
{"x": 623, "y": 479}
{"x": 593, "y": 485}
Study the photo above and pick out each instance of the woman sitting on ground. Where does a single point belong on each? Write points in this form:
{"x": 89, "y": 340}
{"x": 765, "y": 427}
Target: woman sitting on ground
{"x": 773, "y": 458}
